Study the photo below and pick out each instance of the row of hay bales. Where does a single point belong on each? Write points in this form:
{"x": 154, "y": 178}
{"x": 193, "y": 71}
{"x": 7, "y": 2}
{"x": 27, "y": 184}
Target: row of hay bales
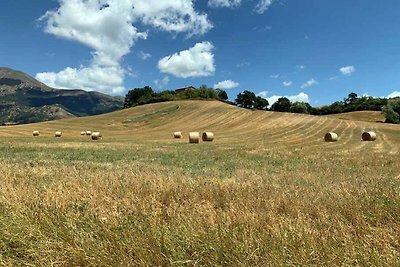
{"x": 366, "y": 136}
{"x": 58, "y": 134}
{"x": 194, "y": 137}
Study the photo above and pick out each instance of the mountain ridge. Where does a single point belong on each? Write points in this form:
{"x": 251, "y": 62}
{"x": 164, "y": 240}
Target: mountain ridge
{"x": 23, "y": 99}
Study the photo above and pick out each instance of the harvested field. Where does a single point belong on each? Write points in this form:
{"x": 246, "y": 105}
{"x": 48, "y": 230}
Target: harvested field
{"x": 269, "y": 191}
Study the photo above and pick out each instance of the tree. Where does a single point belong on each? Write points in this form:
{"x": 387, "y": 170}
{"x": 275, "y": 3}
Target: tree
{"x": 392, "y": 110}
{"x": 222, "y": 95}
{"x": 300, "y": 107}
{"x": 351, "y": 98}
{"x": 138, "y": 96}
{"x": 246, "y": 99}
{"x": 261, "y": 103}
{"x": 205, "y": 92}
{"x": 282, "y": 105}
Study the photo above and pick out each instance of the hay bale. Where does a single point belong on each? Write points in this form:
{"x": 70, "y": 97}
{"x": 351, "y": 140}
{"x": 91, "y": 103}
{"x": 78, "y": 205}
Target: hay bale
{"x": 35, "y": 133}
{"x": 194, "y": 137}
{"x": 177, "y": 135}
{"x": 331, "y": 137}
{"x": 368, "y": 136}
{"x": 96, "y": 135}
{"x": 88, "y": 132}
{"x": 58, "y": 134}
{"x": 208, "y": 136}
{"x": 83, "y": 133}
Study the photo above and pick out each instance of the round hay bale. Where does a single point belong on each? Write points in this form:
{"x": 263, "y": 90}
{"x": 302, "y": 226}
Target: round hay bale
{"x": 35, "y": 133}
{"x": 96, "y": 135}
{"x": 208, "y": 136}
{"x": 177, "y": 135}
{"x": 83, "y": 133}
{"x": 194, "y": 137}
{"x": 88, "y": 132}
{"x": 368, "y": 136}
{"x": 58, "y": 134}
{"x": 331, "y": 137}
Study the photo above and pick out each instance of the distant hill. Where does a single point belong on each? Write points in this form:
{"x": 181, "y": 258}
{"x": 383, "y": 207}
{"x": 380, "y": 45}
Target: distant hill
{"x": 372, "y": 116}
{"x": 23, "y": 99}
{"x": 231, "y": 125}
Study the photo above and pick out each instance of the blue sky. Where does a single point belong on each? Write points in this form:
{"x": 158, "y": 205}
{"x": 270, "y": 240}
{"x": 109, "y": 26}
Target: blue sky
{"x": 308, "y": 50}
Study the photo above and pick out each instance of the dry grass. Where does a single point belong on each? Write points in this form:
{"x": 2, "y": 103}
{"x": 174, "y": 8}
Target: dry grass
{"x": 262, "y": 194}
{"x": 372, "y": 116}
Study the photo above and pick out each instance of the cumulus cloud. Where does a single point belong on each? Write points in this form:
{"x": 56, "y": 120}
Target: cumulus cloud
{"x": 348, "y": 70}
{"x": 262, "y": 6}
{"x": 274, "y": 76}
{"x": 309, "y": 83}
{"x": 171, "y": 15}
{"x": 107, "y": 27}
{"x": 107, "y": 79}
{"x": 394, "y": 94}
{"x": 197, "y": 61}
{"x": 287, "y": 83}
{"x": 224, "y": 3}
{"x": 227, "y": 84}
{"x": 301, "y": 97}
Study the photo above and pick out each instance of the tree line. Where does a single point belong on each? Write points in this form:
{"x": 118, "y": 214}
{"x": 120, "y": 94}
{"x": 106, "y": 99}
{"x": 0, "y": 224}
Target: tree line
{"x": 249, "y": 100}
{"x": 146, "y": 95}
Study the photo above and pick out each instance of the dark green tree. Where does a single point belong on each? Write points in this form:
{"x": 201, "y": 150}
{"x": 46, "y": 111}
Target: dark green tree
{"x": 300, "y": 107}
{"x": 261, "y": 103}
{"x": 222, "y": 95}
{"x": 350, "y": 99}
{"x": 246, "y": 99}
{"x": 282, "y": 105}
{"x": 138, "y": 96}
{"x": 205, "y": 92}
{"x": 392, "y": 111}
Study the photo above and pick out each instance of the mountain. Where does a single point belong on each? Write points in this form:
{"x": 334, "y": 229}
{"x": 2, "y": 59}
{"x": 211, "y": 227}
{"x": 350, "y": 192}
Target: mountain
{"x": 23, "y": 99}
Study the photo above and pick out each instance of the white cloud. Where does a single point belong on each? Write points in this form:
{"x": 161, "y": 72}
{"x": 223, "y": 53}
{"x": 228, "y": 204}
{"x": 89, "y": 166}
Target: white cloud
{"x": 263, "y": 94}
{"x": 309, "y": 83}
{"x": 171, "y": 15}
{"x": 227, "y": 84}
{"x": 274, "y": 76}
{"x": 301, "y": 67}
{"x": 333, "y": 78}
{"x": 287, "y": 83}
{"x": 262, "y": 6}
{"x": 195, "y": 62}
{"x": 107, "y": 27}
{"x": 163, "y": 82}
{"x": 224, "y": 3}
{"x": 100, "y": 78}
{"x": 394, "y": 94}
{"x": 301, "y": 97}
{"x": 144, "y": 55}
{"x": 348, "y": 70}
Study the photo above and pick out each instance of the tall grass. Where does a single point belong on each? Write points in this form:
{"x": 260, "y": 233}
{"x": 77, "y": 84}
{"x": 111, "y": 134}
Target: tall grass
{"x": 175, "y": 204}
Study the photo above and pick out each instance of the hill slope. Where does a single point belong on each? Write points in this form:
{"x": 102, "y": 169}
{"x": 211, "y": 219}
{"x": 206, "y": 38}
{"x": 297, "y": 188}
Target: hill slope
{"x": 24, "y": 100}
{"x": 372, "y": 116}
{"x": 233, "y": 125}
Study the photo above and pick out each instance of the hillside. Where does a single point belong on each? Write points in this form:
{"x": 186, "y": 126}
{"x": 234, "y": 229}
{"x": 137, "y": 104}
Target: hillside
{"x": 268, "y": 191}
{"x": 156, "y": 122}
{"x": 25, "y": 100}
{"x": 371, "y": 116}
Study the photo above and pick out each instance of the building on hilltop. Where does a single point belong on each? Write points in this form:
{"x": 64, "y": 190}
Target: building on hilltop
{"x": 184, "y": 89}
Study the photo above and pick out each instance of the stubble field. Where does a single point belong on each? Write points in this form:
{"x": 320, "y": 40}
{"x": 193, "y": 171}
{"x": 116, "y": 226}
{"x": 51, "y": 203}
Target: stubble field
{"x": 267, "y": 192}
